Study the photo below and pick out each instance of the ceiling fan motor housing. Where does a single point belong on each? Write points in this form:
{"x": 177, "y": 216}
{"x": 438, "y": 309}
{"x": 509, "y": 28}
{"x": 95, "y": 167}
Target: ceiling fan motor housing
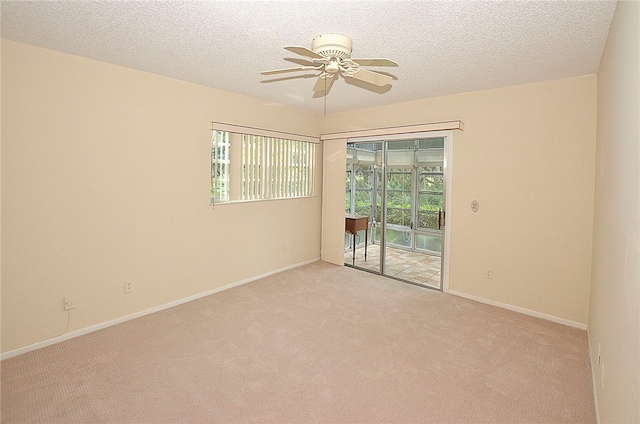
{"x": 332, "y": 45}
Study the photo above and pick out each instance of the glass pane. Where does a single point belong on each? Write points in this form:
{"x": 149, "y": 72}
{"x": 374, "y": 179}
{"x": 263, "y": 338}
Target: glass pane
{"x": 430, "y": 201}
{"x": 220, "y": 165}
{"x": 400, "y": 145}
{"x": 431, "y": 157}
{"x": 378, "y": 217}
{"x": 428, "y": 242}
{"x": 363, "y": 178}
{"x": 347, "y": 196}
{"x": 363, "y": 210}
{"x": 431, "y": 182}
{"x": 428, "y": 219}
{"x": 429, "y": 205}
{"x": 398, "y": 237}
{"x": 363, "y": 197}
{"x": 348, "y": 241}
{"x": 399, "y": 180}
{"x": 431, "y": 143}
{"x": 399, "y": 216}
{"x": 363, "y": 159}
{"x": 399, "y": 199}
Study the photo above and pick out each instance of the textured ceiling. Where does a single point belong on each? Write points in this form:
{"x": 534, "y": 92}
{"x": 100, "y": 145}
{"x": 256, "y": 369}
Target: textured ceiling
{"x": 441, "y": 47}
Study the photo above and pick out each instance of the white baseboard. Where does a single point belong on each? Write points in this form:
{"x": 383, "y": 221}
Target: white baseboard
{"x": 87, "y": 330}
{"x": 593, "y": 378}
{"x": 521, "y": 310}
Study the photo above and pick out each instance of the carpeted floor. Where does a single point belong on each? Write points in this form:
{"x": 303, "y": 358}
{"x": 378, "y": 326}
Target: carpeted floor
{"x": 319, "y": 343}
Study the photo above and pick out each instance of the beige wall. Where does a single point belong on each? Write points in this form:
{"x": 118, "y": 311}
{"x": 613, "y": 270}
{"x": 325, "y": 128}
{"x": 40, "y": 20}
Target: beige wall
{"x": 334, "y": 165}
{"x": 527, "y": 155}
{"x": 105, "y": 178}
{"x": 614, "y": 316}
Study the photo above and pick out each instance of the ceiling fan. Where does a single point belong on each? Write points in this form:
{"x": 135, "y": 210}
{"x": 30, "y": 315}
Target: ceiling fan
{"x": 330, "y": 54}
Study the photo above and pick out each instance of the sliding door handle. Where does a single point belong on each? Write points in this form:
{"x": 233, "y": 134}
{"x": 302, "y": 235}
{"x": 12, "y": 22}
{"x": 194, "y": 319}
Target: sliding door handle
{"x": 441, "y": 219}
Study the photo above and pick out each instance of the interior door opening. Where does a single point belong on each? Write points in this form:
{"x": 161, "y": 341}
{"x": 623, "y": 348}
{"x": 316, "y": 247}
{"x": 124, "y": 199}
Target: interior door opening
{"x": 399, "y": 186}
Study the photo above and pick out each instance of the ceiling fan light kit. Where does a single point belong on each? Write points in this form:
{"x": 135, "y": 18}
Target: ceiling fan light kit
{"x": 331, "y": 55}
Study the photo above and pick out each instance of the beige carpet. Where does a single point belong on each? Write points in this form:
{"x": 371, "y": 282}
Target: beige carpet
{"x": 319, "y": 343}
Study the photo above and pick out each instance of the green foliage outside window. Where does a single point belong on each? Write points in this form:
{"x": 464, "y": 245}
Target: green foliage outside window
{"x": 399, "y": 186}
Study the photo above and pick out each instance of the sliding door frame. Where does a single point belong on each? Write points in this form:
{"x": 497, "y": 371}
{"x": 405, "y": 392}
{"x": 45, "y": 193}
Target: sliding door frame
{"x": 447, "y": 192}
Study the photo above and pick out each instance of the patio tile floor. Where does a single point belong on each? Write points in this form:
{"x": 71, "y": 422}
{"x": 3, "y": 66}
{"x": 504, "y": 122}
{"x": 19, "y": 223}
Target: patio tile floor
{"x": 419, "y": 268}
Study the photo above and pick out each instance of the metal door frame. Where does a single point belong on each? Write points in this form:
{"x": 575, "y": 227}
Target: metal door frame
{"x": 444, "y": 256}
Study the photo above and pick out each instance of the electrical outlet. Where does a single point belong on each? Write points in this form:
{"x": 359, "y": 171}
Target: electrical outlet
{"x": 128, "y": 286}
{"x": 489, "y": 274}
{"x": 284, "y": 248}
{"x": 69, "y": 303}
{"x": 599, "y": 360}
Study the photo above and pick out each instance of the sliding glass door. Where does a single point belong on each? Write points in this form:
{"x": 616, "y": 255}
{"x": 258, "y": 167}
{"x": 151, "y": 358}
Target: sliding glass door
{"x": 399, "y": 187}
{"x": 363, "y": 200}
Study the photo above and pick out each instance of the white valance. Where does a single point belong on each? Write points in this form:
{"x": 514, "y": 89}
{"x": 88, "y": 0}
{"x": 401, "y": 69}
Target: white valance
{"x": 405, "y": 129}
{"x": 240, "y": 129}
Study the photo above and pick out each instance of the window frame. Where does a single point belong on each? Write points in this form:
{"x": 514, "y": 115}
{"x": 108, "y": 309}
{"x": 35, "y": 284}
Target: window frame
{"x": 263, "y": 167}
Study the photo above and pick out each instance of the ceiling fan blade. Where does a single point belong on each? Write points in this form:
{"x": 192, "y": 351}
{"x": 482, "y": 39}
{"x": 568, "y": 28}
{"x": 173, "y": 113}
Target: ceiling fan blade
{"x": 324, "y": 84}
{"x": 282, "y": 71}
{"x": 375, "y": 62}
{"x": 288, "y": 77}
{"x": 372, "y": 77}
{"x": 303, "y": 51}
{"x": 300, "y": 61}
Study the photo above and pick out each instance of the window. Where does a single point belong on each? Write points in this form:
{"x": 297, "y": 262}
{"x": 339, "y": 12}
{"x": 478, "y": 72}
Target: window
{"x": 360, "y": 180}
{"x": 220, "y": 166}
{"x": 254, "y": 167}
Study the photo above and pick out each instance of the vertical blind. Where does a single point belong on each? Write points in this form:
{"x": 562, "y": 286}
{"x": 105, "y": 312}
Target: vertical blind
{"x": 271, "y": 167}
